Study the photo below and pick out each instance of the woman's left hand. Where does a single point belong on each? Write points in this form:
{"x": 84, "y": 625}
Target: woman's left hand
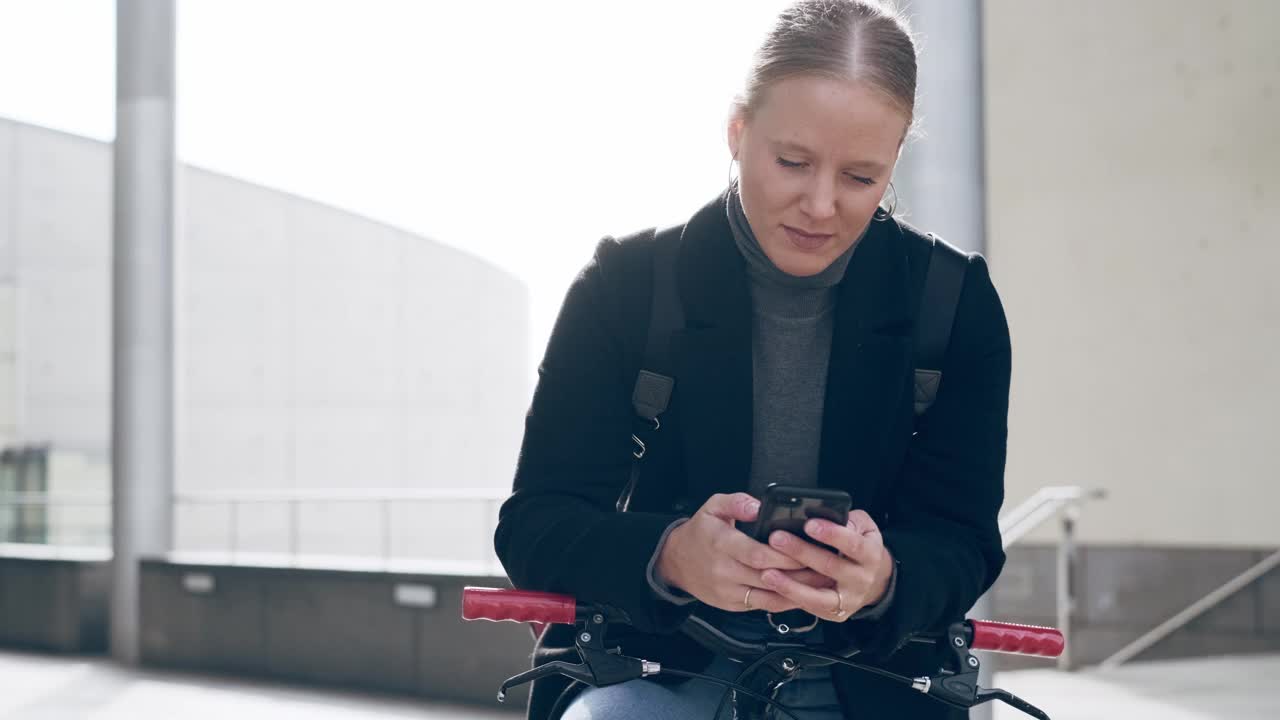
{"x": 861, "y": 570}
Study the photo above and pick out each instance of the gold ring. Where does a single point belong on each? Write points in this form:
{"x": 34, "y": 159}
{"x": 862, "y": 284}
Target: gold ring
{"x": 747, "y": 600}
{"x": 839, "y": 611}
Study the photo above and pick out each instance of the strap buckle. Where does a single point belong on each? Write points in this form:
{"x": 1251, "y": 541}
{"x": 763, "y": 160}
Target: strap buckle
{"x": 641, "y": 449}
{"x": 786, "y": 629}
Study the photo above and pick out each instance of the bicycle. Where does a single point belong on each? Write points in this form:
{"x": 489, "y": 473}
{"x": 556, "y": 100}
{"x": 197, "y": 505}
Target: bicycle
{"x": 600, "y": 667}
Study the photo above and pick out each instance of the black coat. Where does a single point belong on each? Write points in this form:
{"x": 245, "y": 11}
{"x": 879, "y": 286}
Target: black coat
{"x": 935, "y": 494}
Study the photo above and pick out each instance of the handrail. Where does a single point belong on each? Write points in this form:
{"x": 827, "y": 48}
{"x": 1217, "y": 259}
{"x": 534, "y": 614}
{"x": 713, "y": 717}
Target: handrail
{"x": 235, "y": 500}
{"x": 1062, "y": 502}
{"x": 1048, "y": 502}
{"x": 1192, "y": 611}
{"x": 26, "y": 497}
{"x": 62, "y": 499}
{"x": 383, "y": 497}
{"x": 336, "y": 495}
{"x": 1042, "y": 505}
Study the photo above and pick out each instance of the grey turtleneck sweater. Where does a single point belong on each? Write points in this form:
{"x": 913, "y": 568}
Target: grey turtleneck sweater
{"x": 792, "y": 320}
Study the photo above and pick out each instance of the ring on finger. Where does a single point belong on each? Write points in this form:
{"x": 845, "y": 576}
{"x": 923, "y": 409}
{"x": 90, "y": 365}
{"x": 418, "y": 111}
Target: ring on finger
{"x": 746, "y": 601}
{"x": 839, "y": 611}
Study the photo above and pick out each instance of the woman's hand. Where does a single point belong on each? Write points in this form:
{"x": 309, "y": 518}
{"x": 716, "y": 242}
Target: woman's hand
{"x": 712, "y": 560}
{"x": 861, "y": 570}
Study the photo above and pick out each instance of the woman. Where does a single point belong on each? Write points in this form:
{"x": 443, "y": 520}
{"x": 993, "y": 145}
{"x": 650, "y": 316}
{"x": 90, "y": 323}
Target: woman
{"x": 799, "y": 296}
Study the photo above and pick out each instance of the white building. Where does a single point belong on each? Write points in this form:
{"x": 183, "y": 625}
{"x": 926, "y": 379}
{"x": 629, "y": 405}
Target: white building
{"x": 316, "y": 349}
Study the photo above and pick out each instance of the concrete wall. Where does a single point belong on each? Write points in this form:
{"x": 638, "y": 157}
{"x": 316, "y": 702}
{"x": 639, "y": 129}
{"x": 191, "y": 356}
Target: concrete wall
{"x": 316, "y": 349}
{"x": 330, "y": 627}
{"x": 53, "y": 602}
{"x": 1125, "y": 591}
{"x": 56, "y": 305}
{"x": 1134, "y": 211}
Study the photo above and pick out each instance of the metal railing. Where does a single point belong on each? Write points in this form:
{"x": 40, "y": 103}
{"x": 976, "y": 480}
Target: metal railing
{"x": 1046, "y": 503}
{"x": 1043, "y": 505}
{"x": 474, "y": 529}
{"x": 20, "y": 526}
{"x": 10, "y": 497}
{"x": 1192, "y": 611}
{"x": 1062, "y": 503}
{"x": 384, "y": 499}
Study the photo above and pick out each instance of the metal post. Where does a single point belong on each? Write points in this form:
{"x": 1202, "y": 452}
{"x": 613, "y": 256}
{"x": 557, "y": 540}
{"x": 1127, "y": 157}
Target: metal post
{"x": 233, "y": 512}
{"x": 142, "y": 407}
{"x": 293, "y": 531}
{"x": 386, "y": 531}
{"x": 1065, "y": 589}
{"x": 940, "y": 179}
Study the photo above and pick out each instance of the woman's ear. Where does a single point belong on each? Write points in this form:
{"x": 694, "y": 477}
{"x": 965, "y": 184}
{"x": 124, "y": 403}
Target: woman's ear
{"x": 736, "y": 125}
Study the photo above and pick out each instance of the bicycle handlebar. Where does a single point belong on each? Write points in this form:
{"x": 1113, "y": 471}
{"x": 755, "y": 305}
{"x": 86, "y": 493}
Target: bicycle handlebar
{"x": 955, "y": 684}
{"x": 1016, "y": 639}
{"x": 502, "y": 605}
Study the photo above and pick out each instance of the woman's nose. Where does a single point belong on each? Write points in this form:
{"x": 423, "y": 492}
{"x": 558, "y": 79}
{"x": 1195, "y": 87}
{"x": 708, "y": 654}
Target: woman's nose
{"x": 820, "y": 199}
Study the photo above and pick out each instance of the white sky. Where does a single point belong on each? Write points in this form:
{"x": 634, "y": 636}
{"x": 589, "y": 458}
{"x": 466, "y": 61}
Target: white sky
{"x": 519, "y": 131}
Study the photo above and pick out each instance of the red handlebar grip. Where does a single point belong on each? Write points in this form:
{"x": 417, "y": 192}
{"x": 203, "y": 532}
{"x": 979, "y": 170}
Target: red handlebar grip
{"x": 517, "y": 605}
{"x": 1016, "y": 639}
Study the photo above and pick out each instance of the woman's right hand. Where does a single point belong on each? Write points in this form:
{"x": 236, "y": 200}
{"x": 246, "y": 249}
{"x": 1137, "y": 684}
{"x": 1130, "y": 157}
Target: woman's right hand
{"x": 715, "y": 562}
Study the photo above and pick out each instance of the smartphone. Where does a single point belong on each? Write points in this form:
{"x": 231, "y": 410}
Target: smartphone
{"x": 784, "y": 507}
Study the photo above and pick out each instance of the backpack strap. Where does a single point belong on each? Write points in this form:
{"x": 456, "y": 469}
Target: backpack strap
{"x": 942, "y": 284}
{"x": 655, "y": 381}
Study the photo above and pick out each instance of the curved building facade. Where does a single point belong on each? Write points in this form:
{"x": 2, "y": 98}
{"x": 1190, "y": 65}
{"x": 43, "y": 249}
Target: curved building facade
{"x": 316, "y": 349}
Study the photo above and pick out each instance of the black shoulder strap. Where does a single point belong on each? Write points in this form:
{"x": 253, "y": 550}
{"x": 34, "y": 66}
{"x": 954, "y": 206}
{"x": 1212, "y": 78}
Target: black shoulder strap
{"x": 654, "y": 382}
{"x": 942, "y": 283}
{"x": 944, "y": 279}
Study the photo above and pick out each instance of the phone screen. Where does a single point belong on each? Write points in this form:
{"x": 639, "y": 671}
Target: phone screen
{"x": 789, "y": 508}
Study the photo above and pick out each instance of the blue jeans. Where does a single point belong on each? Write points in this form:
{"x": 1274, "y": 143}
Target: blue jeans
{"x": 810, "y": 696}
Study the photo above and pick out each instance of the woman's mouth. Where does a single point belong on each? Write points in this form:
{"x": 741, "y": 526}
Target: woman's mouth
{"x": 806, "y": 241}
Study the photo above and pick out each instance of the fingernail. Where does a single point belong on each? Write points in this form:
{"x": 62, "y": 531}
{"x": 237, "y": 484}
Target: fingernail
{"x": 753, "y": 505}
{"x": 813, "y": 527}
{"x": 778, "y": 539}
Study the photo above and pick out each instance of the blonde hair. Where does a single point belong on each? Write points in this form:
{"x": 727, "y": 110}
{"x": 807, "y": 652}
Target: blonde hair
{"x": 860, "y": 40}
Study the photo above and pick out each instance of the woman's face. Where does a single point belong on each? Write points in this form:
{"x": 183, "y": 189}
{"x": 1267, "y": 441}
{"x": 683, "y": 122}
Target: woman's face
{"x": 815, "y": 160}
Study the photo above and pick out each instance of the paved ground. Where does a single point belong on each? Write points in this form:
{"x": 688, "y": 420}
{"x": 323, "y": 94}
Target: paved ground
{"x": 42, "y": 687}
{"x": 1239, "y": 688}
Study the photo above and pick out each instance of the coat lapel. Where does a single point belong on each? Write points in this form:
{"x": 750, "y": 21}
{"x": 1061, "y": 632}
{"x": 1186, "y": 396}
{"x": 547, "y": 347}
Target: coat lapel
{"x": 869, "y": 371}
{"x": 712, "y": 356}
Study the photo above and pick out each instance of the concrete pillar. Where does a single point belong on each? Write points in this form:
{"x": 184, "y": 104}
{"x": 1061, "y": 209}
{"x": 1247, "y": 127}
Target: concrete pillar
{"x": 940, "y": 178}
{"x": 142, "y": 408}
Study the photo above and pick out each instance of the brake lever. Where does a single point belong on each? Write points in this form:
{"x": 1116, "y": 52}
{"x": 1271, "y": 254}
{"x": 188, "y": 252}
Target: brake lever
{"x": 558, "y": 667}
{"x": 960, "y": 687}
{"x": 985, "y": 696}
{"x": 599, "y": 667}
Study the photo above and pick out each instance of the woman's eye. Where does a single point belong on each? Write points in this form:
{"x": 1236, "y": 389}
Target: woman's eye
{"x": 863, "y": 180}
{"x": 788, "y": 164}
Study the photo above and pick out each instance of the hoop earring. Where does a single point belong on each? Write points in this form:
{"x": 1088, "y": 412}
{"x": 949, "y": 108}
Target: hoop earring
{"x": 733, "y": 179}
{"x": 883, "y": 213}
